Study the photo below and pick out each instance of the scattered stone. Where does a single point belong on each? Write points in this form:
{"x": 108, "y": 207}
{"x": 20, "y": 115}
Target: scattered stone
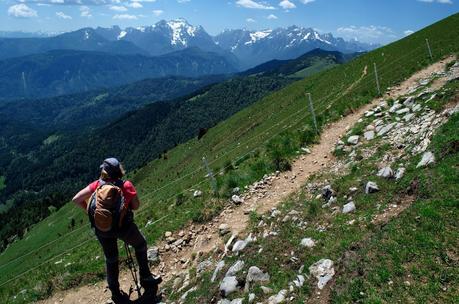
{"x": 327, "y": 192}
{"x": 400, "y": 172}
{"x": 383, "y": 130}
{"x": 233, "y": 270}
{"x": 236, "y": 199}
{"x": 219, "y": 267}
{"x": 266, "y": 290}
{"x": 168, "y": 234}
{"x": 353, "y": 190}
{"x": 299, "y": 281}
{"x": 323, "y": 270}
{"x": 349, "y": 207}
{"x": 402, "y": 111}
{"x": 183, "y": 297}
{"x": 279, "y": 298}
{"x": 306, "y": 150}
{"x": 241, "y": 244}
{"x": 371, "y": 187}
{"x": 308, "y": 242}
{"x": 386, "y": 172}
{"x": 427, "y": 159}
{"x": 228, "y": 285}
{"x": 197, "y": 193}
{"x": 408, "y": 117}
{"x": 223, "y": 229}
{"x": 203, "y": 266}
{"x": 153, "y": 254}
{"x": 251, "y": 297}
{"x": 409, "y": 102}
{"x": 369, "y": 135}
{"x": 255, "y": 275}
{"x": 395, "y": 107}
{"x": 353, "y": 140}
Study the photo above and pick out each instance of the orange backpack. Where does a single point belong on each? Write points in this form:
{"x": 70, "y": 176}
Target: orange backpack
{"x": 106, "y": 208}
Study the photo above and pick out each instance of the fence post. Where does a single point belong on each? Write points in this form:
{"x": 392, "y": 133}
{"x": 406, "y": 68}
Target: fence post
{"x": 377, "y": 79}
{"x": 210, "y": 174}
{"x": 430, "y": 50}
{"x": 311, "y": 109}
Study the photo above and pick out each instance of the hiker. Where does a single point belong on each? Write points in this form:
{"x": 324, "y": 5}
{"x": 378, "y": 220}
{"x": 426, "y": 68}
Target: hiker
{"x": 117, "y": 222}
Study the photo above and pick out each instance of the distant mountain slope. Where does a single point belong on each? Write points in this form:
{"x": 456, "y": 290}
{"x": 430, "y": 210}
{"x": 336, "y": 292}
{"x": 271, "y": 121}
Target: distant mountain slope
{"x": 255, "y": 47}
{"x": 67, "y": 71}
{"x": 308, "y": 60}
{"x": 85, "y": 39}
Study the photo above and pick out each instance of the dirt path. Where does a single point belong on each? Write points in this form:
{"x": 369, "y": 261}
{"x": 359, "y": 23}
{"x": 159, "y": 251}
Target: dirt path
{"x": 236, "y": 218}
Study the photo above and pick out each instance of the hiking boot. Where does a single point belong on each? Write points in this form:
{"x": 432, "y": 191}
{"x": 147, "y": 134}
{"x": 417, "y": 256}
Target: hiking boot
{"x": 120, "y": 297}
{"x": 151, "y": 283}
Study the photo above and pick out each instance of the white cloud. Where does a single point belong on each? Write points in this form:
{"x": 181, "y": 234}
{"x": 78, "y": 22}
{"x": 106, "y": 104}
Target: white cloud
{"x": 307, "y": 1}
{"x": 437, "y": 1}
{"x": 250, "y": 20}
{"x": 135, "y": 5}
{"x": 254, "y": 4}
{"x": 408, "y": 32}
{"x": 286, "y": 4}
{"x": 371, "y": 33}
{"x": 21, "y": 11}
{"x": 272, "y": 17}
{"x": 125, "y": 17}
{"x": 118, "y": 8}
{"x": 85, "y": 11}
{"x": 158, "y": 13}
{"x": 62, "y": 15}
{"x": 183, "y": 1}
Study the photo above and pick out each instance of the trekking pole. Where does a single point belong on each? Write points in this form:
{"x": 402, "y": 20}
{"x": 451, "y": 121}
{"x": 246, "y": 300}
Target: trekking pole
{"x": 132, "y": 268}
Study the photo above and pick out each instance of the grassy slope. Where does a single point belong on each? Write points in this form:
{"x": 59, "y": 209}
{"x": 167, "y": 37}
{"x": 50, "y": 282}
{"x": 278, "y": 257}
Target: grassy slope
{"x": 415, "y": 258}
{"x": 229, "y": 140}
{"x": 421, "y": 246}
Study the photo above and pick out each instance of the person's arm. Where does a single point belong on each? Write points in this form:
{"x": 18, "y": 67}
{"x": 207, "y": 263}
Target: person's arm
{"x": 135, "y": 203}
{"x": 80, "y": 198}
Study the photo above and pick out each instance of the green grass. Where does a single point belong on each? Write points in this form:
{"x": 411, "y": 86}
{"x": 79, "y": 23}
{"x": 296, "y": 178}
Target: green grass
{"x": 319, "y": 65}
{"x": 256, "y": 140}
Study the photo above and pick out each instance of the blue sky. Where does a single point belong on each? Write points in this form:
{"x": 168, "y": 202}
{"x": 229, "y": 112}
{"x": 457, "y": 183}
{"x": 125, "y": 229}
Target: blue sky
{"x": 367, "y": 20}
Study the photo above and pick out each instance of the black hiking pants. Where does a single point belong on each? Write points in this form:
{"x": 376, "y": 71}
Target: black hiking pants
{"x": 133, "y": 237}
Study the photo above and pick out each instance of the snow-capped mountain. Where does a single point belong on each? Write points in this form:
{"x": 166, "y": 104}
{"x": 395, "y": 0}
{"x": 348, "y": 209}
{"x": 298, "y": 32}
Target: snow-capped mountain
{"x": 255, "y": 47}
{"x": 163, "y": 37}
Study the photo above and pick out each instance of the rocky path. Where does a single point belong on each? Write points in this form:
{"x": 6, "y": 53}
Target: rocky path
{"x": 177, "y": 251}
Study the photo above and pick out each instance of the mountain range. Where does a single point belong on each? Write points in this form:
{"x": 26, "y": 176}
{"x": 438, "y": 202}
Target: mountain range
{"x": 241, "y": 47}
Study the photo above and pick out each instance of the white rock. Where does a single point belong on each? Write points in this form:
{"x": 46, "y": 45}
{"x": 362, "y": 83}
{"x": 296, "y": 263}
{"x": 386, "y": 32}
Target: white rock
{"x": 369, "y": 135}
{"x": 371, "y": 187}
{"x": 255, "y": 275}
{"x": 233, "y": 270}
{"x": 385, "y": 129}
{"x": 251, "y": 297}
{"x": 427, "y": 159}
{"x": 386, "y": 172}
{"x": 349, "y": 207}
{"x": 228, "y": 285}
{"x": 279, "y": 298}
{"x": 266, "y": 290}
{"x": 299, "y": 281}
{"x": 323, "y": 270}
{"x": 353, "y": 140}
{"x": 408, "y": 117}
{"x": 402, "y": 111}
{"x": 219, "y": 267}
{"x": 395, "y": 107}
{"x": 241, "y": 244}
{"x": 237, "y": 199}
{"x": 153, "y": 254}
{"x": 400, "y": 172}
{"x": 308, "y": 242}
{"x": 183, "y": 297}
{"x": 223, "y": 229}
{"x": 409, "y": 102}
{"x": 197, "y": 193}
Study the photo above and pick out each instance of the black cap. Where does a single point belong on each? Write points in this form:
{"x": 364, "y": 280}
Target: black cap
{"x": 112, "y": 167}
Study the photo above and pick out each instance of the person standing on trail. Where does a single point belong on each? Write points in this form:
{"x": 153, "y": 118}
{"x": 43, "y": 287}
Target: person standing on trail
{"x": 111, "y": 201}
